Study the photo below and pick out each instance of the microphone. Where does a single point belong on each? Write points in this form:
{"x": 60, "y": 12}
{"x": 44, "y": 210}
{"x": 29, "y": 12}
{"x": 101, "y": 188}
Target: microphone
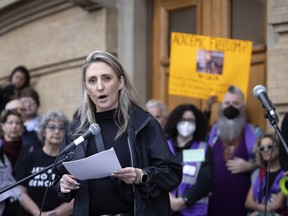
{"x": 94, "y": 129}
{"x": 260, "y": 92}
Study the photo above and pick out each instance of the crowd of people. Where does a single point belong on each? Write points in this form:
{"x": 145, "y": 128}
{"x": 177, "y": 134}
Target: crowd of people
{"x": 242, "y": 166}
{"x": 28, "y": 142}
{"x": 172, "y": 163}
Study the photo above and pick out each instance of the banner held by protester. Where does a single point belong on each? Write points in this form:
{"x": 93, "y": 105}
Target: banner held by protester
{"x": 202, "y": 66}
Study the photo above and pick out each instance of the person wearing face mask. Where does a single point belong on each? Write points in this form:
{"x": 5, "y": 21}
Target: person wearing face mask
{"x": 186, "y": 128}
{"x": 232, "y": 140}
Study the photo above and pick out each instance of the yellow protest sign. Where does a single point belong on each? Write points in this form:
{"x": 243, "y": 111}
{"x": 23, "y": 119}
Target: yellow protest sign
{"x": 201, "y": 66}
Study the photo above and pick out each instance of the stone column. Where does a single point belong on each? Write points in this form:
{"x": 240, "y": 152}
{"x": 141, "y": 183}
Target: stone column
{"x": 277, "y": 55}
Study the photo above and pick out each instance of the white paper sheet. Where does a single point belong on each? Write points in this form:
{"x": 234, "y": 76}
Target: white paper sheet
{"x": 95, "y": 166}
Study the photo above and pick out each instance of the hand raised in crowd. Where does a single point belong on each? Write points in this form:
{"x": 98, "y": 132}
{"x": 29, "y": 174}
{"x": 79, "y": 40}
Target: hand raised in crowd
{"x": 210, "y": 101}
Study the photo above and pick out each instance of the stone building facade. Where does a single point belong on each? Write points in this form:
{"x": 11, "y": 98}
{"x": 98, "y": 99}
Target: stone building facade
{"x": 52, "y": 38}
{"x": 277, "y": 54}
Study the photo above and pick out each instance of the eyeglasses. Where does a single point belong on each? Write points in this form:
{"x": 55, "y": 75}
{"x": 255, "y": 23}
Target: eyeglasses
{"x": 54, "y": 128}
{"x": 28, "y": 102}
{"x": 19, "y": 110}
{"x": 265, "y": 148}
{"x": 188, "y": 119}
{"x": 22, "y": 110}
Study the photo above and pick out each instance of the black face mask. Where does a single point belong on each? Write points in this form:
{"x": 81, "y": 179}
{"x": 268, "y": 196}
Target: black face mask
{"x": 231, "y": 112}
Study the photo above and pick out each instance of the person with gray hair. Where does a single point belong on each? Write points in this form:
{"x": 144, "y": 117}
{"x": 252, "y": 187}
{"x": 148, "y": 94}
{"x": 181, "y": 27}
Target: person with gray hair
{"x": 232, "y": 139}
{"x": 159, "y": 110}
{"x": 149, "y": 169}
{"x": 51, "y": 133}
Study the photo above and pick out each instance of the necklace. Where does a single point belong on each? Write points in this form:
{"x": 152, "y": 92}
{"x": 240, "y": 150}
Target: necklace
{"x": 230, "y": 149}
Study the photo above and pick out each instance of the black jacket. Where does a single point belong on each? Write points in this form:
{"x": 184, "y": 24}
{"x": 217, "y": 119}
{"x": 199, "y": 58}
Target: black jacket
{"x": 150, "y": 152}
{"x": 283, "y": 148}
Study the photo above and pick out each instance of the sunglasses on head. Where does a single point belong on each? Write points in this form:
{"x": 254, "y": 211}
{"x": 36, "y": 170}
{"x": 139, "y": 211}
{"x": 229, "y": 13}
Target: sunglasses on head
{"x": 265, "y": 148}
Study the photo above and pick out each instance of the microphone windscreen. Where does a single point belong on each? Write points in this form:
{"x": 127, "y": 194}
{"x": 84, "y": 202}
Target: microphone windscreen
{"x": 258, "y": 89}
{"x": 94, "y": 128}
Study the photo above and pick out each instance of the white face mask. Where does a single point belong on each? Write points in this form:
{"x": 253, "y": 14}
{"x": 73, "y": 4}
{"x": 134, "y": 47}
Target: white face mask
{"x": 186, "y": 128}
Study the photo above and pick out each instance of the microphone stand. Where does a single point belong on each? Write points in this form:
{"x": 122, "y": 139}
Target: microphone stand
{"x": 68, "y": 157}
{"x": 274, "y": 123}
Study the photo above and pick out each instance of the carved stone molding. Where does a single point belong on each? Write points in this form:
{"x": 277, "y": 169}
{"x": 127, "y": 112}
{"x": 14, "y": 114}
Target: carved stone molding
{"x": 22, "y": 12}
{"x": 280, "y": 28}
{"x": 88, "y": 5}
{"x": 19, "y": 13}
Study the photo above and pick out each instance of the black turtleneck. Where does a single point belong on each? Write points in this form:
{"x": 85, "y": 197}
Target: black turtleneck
{"x": 103, "y": 192}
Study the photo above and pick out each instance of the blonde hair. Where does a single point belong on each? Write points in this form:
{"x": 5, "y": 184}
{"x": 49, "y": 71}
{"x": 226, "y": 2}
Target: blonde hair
{"x": 126, "y": 96}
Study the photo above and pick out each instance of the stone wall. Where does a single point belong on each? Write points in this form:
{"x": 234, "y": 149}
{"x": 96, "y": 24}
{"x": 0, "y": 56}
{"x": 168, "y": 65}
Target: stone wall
{"x": 53, "y": 42}
{"x": 277, "y": 54}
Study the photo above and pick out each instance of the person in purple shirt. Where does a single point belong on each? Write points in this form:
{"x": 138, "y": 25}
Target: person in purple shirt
{"x": 232, "y": 140}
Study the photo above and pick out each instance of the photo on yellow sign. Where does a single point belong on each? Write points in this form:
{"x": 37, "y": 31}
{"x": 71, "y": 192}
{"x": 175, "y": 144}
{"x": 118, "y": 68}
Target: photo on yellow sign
{"x": 202, "y": 66}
